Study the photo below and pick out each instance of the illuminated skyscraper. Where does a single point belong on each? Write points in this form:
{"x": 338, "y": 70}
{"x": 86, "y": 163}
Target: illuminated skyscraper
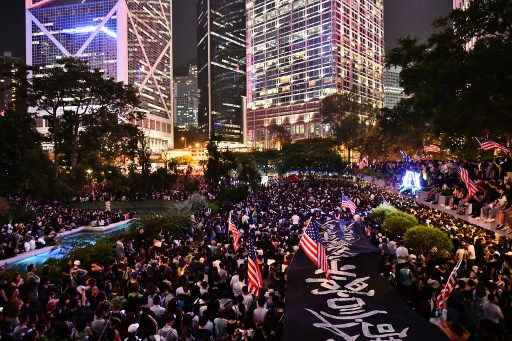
{"x": 393, "y": 92}
{"x": 300, "y": 51}
{"x": 129, "y": 40}
{"x": 463, "y": 4}
{"x": 221, "y": 68}
{"x": 187, "y": 99}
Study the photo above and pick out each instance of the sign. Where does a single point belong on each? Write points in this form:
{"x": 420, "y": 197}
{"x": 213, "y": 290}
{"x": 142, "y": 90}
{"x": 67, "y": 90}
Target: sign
{"x": 356, "y": 303}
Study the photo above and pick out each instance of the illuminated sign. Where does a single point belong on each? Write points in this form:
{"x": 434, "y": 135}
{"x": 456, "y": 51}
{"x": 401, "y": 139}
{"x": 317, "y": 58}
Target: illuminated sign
{"x": 411, "y": 182}
{"x": 89, "y": 29}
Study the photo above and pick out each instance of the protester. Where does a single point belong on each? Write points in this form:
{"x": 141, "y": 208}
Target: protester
{"x": 196, "y": 287}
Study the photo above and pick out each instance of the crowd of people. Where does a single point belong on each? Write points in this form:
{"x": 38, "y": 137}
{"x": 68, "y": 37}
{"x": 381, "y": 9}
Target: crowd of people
{"x": 41, "y": 223}
{"x": 195, "y": 287}
{"x": 493, "y": 178}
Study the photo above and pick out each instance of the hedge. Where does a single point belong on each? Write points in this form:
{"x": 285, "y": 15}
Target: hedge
{"x": 379, "y": 213}
{"x": 422, "y": 239}
{"x": 397, "y": 223}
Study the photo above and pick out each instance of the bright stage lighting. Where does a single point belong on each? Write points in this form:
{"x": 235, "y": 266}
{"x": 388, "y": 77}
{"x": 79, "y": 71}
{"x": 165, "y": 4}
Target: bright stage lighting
{"x": 411, "y": 181}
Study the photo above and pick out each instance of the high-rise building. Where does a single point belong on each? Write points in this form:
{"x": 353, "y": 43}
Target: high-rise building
{"x": 12, "y": 84}
{"x": 462, "y": 4}
{"x": 187, "y": 99}
{"x": 221, "y": 68}
{"x": 393, "y": 92}
{"x": 128, "y": 40}
{"x": 300, "y": 51}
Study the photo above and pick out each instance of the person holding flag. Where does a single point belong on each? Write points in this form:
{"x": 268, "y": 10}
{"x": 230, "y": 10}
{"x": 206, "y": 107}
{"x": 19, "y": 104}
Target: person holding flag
{"x": 235, "y": 233}
{"x": 254, "y": 275}
{"x": 347, "y": 203}
{"x": 311, "y": 244}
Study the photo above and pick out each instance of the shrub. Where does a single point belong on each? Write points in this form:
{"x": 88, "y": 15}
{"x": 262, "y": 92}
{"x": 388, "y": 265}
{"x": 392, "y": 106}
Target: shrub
{"x": 422, "y": 239}
{"x": 173, "y": 224}
{"x": 379, "y": 213}
{"x": 397, "y": 223}
{"x": 233, "y": 195}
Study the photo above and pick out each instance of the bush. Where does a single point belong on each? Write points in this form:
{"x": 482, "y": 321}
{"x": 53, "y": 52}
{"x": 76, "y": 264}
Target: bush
{"x": 102, "y": 252}
{"x": 381, "y": 212}
{"x": 173, "y": 224}
{"x": 422, "y": 239}
{"x": 397, "y": 223}
{"x": 233, "y": 195}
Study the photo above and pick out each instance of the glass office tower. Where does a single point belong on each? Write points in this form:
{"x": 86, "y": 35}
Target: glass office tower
{"x": 187, "y": 99}
{"x": 221, "y": 68}
{"x": 300, "y": 51}
{"x": 127, "y": 40}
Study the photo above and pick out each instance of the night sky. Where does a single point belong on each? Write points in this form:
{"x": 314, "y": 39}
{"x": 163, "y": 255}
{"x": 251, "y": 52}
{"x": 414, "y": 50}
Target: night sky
{"x": 402, "y": 17}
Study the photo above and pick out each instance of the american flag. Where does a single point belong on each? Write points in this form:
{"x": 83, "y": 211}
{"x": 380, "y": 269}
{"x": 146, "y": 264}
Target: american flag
{"x": 311, "y": 244}
{"x": 254, "y": 269}
{"x": 347, "y": 203}
{"x": 235, "y": 234}
{"x": 363, "y": 163}
{"x": 470, "y": 185}
{"x": 491, "y": 145}
{"x": 448, "y": 288}
{"x": 432, "y": 149}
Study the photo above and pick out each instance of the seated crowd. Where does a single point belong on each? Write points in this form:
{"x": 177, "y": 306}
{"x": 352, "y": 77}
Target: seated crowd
{"x": 195, "y": 287}
{"x": 44, "y": 221}
{"x": 493, "y": 179}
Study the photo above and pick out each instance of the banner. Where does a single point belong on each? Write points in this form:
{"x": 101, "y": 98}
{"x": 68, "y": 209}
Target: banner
{"x": 355, "y": 303}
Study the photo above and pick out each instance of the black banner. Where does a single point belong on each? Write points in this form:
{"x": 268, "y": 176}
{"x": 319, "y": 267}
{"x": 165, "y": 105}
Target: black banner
{"x": 355, "y": 303}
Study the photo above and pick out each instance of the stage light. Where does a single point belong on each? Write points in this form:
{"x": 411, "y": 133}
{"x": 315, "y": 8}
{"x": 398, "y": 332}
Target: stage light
{"x": 411, "y": 181}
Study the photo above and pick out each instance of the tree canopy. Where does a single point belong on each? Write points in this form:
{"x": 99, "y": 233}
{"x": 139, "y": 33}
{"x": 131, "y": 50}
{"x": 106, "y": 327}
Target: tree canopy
{"x": 459, "y": 82}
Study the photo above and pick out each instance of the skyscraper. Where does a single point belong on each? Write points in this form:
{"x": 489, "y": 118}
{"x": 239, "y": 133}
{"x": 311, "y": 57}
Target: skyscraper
{"x": 300, "y": 51}
{"x": 221, "y": 68}
{"x": 128, "y": 40}
{"x": 187, "y": 99}
{"x": 12, "y": 84}
{"x": 463, "y": 4}
{"x": 393, "y": 92}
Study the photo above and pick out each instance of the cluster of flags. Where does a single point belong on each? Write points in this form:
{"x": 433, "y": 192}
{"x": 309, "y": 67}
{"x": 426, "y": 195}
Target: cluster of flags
{"x": 347, "y": 203}
{"x": 432, "y": 148}
{"x": 254, "y": 275}
{"x": 491, "y": 145}
{"x": 470, "y": 185}
{"x": 448, "y": 288}
{"x": 311, "y": 244}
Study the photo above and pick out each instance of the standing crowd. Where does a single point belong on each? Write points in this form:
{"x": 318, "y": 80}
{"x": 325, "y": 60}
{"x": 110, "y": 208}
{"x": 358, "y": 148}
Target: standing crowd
{"x": 195, "y": 287}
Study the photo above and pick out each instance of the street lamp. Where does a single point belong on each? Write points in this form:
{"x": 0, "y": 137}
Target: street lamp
{"x": 183, "y": 138}
{"x": 89, "y": 171}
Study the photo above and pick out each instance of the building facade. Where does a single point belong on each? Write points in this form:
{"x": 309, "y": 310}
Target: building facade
{"x": 128, "y": 40}
{"x": 187, "y": 99}
{"x": 393, "y": 92}
{"x": 462, "y": 4}
{"x": 221, "y": 68}
{"x": 13, "y": 79}
{"x": 299, "y": 52}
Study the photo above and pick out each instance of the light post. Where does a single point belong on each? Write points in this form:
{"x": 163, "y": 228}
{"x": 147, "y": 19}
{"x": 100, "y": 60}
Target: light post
{"x": 183, "y": 138}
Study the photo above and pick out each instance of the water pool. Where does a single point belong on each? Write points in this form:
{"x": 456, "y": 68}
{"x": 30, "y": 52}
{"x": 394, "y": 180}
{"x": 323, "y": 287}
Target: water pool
{"x": 66, "y": 245}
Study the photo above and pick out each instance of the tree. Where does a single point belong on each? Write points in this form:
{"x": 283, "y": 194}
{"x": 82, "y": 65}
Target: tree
{"x": 24, "y": 166}
{"x": 279, "y": 135}
{"x": 422, "y": 239}
{"x": 348, "y": 115}
{"x": 310, "y": 155}
{"x": 81, "y": 105}
{"x": 459, "y": 81}
{"x": 397, "y": 223}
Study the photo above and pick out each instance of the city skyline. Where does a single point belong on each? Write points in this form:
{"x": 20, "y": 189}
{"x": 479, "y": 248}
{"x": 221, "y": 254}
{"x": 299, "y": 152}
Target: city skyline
{"x": 412, "y": 17}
